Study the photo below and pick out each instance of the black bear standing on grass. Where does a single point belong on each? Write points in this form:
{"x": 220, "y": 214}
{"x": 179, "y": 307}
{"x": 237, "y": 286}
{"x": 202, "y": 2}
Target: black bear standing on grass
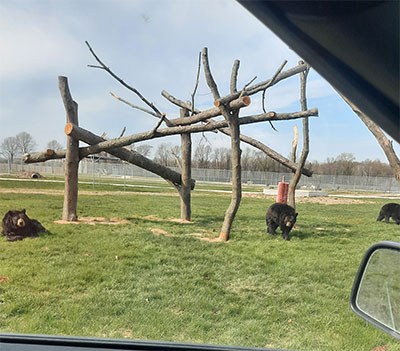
{"x": 282, "y": 216}
{"x": 390, "y": 210}
{"x": 18, "y": 226}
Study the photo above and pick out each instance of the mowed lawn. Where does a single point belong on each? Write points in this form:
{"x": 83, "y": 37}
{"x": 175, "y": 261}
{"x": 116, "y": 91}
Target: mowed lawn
{"x": 152, "y": 278}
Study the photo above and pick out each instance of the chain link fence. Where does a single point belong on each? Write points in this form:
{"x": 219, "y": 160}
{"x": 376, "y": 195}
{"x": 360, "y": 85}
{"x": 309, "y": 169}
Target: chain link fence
{"x": 98, "y": 168}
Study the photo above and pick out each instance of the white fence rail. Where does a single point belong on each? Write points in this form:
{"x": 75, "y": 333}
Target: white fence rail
{"x": 326, "y": 182}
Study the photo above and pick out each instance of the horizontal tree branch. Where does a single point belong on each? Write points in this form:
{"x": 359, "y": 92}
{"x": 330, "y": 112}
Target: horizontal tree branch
{"x": 45, "y": 155}
{"x": 210, "y": 113}
{"x": 261, "y": 86}
{"x": 81, "y": 133}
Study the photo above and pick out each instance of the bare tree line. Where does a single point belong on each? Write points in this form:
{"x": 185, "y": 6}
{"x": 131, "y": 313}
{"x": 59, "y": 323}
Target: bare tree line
{"x": 22, "y": 143}
{"x": 209, "y": 157}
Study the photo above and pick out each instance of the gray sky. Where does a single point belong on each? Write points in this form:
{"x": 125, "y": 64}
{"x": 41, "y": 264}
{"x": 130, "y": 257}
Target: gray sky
{"x": 154, "y": 45}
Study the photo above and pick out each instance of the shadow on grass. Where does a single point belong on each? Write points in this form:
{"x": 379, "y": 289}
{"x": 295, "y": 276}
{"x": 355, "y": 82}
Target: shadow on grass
{"x": 46, "y": 234}
{"x": 328, "y": 230}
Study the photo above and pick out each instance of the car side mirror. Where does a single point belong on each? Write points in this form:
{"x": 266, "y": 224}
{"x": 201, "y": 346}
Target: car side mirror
{"x": 375, "y": 296}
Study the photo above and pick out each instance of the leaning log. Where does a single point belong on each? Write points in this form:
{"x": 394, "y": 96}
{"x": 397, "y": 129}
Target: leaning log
{"x": 136, "y": 159}
{"x": 268, "y": 151}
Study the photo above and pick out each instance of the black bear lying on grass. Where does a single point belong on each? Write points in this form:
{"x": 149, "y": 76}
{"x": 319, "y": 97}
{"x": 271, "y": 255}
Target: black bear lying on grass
{"x": 18, "y": 226}
{"x": 282, "y": 216}
{"x": 390, "y": 210}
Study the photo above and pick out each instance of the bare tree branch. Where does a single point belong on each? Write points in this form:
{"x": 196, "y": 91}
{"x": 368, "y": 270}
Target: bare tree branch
{"x": 260, "y": 86}
{"x": 209, "y": 78}
{"x": 107, "y": 69}
{"x": 122, "y": 132}
{"x": 197, "y": 83}
{"x": 154, "y": 130}
{"x": 135, "y": 106}
{"x": 270, "y": 83}
{"x": 244, "y": 89}
{"x": 234, "y": 75}
{"x": 178, "y": 102}
{"x": 166, "y": 120}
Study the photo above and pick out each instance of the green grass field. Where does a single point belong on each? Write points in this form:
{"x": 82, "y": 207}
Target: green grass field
{"x": 125, "y": 281}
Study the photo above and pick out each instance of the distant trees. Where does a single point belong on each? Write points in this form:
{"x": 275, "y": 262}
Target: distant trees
{"x": 166, "y": 155}
{"x": 9, "y": 148}
{"x": 205, "y": 156}
{"x": 346, "y": 164}
{"x": 54, "y": 145}
{"x": 25, "y": 142}
{"x": 202, "y": 155}
{"x": 143, "y": 149}
{"x": 18, "y": 145}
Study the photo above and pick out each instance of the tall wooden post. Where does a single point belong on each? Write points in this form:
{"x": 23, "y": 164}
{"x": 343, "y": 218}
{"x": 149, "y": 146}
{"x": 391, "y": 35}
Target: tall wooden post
{"x": 72, "y": 156}
{"x": 306, "y": 139}
{"x": 236, "y": 175}
{"x": 186, "y": 171}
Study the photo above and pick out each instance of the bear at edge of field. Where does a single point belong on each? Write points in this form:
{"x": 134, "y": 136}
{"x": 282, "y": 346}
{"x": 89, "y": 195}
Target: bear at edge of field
{"x": 17, "y": 225}
{"x": 390, "y": 210}
{"x": 282, "y": 216}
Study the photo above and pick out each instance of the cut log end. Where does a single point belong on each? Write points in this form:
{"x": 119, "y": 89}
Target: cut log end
{"x": 246, "y": 100}
{"x": 68, "y": 128}
{"x": 271, "y": 114}
{"x": 217, "y": 103}
{"x": 49, "y": 152}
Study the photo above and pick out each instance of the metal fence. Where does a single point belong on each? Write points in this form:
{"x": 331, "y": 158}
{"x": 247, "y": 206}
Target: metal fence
{"x": 96, "y": 168}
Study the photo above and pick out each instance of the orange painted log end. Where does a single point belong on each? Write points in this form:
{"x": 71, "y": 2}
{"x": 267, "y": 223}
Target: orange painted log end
{"x": 49, "y": 152}
{"x": 217, "y": 103}
{"x": 68, "y": 128}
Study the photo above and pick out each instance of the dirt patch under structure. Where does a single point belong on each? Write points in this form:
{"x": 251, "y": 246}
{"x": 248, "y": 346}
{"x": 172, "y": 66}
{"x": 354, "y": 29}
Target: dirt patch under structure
{"x": 94, "y": 221}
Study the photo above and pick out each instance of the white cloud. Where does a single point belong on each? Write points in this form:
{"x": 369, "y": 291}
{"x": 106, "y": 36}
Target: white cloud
{"x": 32, "y": 44}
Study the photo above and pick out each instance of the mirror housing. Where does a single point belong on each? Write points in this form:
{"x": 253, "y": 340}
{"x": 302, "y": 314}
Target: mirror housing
{"x": 375, "y": 296}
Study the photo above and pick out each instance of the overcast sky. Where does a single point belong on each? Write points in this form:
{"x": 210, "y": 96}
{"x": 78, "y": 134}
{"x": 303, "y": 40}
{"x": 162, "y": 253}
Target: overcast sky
{"x": 154, "y": 45}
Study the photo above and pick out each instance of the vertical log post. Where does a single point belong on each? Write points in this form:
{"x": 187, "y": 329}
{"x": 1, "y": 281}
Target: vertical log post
{"x": 186, "y": 171}
{"x": 236, "y": 175}
{"x": 72, "y": 156}
{"x": 306, "y": 139}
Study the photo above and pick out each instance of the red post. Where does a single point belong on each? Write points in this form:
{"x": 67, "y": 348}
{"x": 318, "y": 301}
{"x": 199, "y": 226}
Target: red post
{"x": 283, "y": 189}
